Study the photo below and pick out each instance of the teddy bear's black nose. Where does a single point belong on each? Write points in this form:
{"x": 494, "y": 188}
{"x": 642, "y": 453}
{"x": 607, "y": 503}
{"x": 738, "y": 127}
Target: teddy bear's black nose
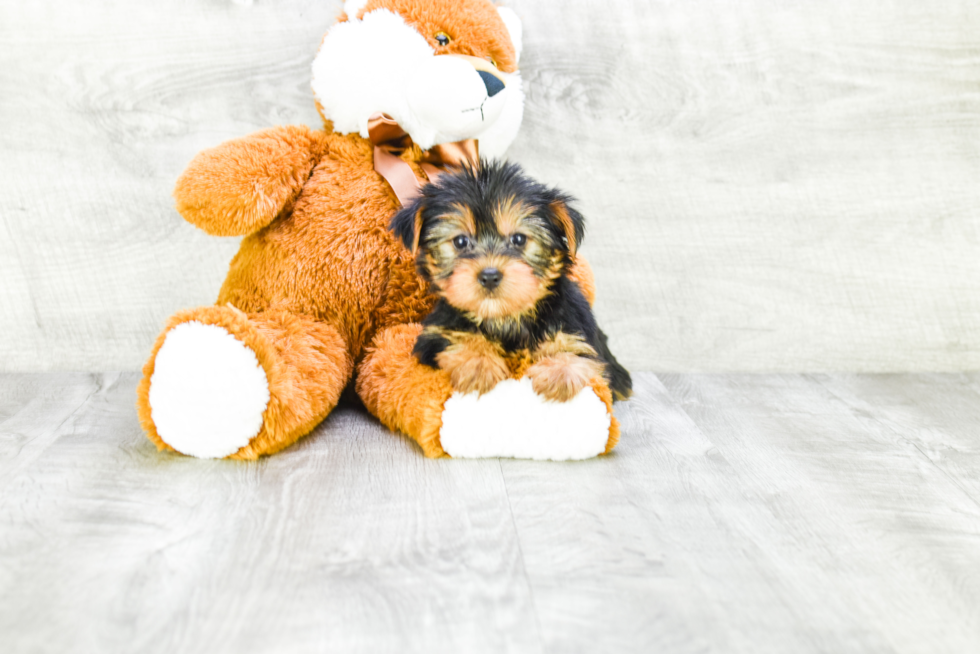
{"x": 493, "y": 84}
{"x": 490, "y": 278}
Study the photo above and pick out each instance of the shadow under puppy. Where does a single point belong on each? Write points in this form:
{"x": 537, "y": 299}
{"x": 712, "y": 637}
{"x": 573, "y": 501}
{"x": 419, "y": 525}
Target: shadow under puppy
{"x": 495, "y": 247}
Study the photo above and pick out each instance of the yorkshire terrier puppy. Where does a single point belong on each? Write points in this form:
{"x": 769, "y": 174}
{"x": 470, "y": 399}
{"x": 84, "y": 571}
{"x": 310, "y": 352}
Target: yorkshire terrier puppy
{"x": 496, "y": 246}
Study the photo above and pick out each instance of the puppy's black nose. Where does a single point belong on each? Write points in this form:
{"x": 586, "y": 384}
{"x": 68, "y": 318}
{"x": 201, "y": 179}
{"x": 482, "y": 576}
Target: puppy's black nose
{"x": 490, "y": 278}
{"x": 493, "y": 84}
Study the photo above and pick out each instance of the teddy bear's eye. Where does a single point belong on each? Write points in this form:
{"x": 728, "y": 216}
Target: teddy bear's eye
{"x": 461, "y": 242}
{"x": 493, "y": 62}
{"x": 442, "y": 39}
{"x": 518, "y": 240}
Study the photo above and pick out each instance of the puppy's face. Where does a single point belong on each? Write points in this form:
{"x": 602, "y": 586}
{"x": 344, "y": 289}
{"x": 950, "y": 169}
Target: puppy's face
{"x": 490, "y": 240}
{"x": 492, "y": 261}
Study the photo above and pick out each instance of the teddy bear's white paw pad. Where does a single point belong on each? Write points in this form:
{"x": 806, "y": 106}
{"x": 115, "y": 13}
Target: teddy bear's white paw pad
{"x": 513, "y": 421}
{"x": 208, "y": 391}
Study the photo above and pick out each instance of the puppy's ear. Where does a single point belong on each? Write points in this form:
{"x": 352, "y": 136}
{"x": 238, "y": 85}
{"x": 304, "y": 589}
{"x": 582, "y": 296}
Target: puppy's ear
{"x": 407, "y": 225}
{"x": 571, "y": 222}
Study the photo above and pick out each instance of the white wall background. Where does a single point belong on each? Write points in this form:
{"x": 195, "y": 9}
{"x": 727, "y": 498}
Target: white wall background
{"x": 771, "y": 185}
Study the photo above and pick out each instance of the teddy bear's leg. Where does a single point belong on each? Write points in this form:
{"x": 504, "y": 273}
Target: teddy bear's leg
{"x": 509, "y": 421}
{"x": 405, "y": 395}
{"x": 222, "y": 383}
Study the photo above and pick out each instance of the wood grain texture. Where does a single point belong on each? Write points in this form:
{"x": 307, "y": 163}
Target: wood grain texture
{"x": 860, "y": 527}
{"x": 771, "y": 186}
{"x": 740, "y": 513}
{"x": 350, "y": 541}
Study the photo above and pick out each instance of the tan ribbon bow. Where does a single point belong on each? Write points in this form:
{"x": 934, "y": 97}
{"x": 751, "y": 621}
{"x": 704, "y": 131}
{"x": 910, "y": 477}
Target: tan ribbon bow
{"x": 390, "y": 141}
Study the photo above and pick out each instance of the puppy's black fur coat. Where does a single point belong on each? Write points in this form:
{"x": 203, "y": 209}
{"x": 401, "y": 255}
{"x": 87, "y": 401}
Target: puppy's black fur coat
{"x": 557, "y": 230}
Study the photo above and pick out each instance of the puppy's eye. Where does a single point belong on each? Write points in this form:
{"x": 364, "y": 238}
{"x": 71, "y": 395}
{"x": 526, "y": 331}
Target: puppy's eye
{"x": 461, "y": 242}
{"x": 442, "y": 39}
{"x": 518, "y": 240}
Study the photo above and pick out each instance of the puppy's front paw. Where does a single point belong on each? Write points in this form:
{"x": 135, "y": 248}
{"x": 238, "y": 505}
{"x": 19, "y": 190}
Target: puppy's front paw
{"x": 561, "y": 376}
{"x": 473, "y": 368}
{"x": 479, "y": 375}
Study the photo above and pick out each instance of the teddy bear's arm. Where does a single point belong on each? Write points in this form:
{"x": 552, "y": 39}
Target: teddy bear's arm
{"x": 240, "y": 186}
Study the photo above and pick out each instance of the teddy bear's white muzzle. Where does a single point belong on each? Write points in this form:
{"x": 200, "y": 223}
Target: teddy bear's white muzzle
{"x": 450, "y": 101}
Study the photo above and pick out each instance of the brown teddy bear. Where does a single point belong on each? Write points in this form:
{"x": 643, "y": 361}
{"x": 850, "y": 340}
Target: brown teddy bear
{"x": 320, "y": 288}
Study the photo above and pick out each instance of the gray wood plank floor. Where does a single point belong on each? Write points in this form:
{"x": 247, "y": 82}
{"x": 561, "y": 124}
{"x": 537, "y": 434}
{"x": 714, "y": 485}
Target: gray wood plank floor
{"x": 741, "y": 513}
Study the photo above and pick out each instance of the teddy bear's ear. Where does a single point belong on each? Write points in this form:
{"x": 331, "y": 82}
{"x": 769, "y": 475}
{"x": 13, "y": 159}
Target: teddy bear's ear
{"x": 513, "y": 24}
{"x": 571, "y": 221}
{"x": 407, "y": 224}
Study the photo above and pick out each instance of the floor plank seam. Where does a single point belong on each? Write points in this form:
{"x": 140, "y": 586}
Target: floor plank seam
{"x": 520, "y": 553}
{"x": 53, "y": 434}
{"x": 901, "y": 437}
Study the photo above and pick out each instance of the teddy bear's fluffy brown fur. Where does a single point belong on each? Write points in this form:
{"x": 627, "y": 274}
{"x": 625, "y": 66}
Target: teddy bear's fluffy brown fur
{"x": 320, "y": 287}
